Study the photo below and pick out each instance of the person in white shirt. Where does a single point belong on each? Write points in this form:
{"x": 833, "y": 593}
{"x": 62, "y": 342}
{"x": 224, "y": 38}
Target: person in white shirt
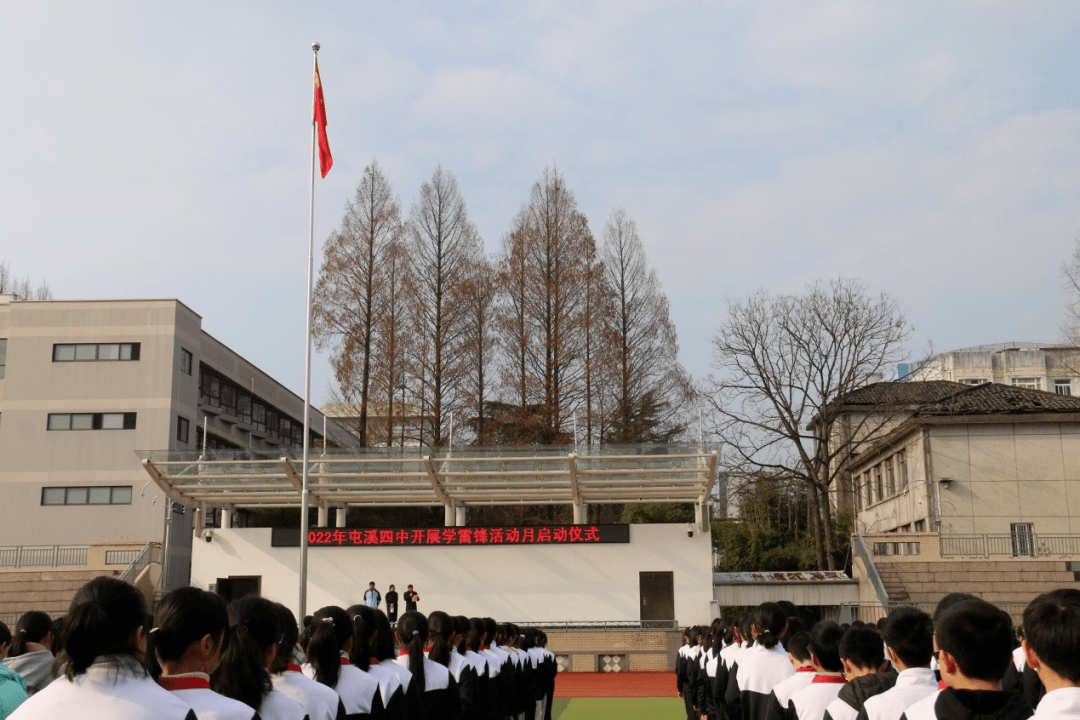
{"x": 863, "y": 657}
{"x": 909, "y": 643}
{"x": 320, "y": 701}
{"x": 798, "y": 654}
{"x": 105, "y": 639}
{"x": 183, "y": 650}
{"x": 1052, "y": 649}
{"x": 254, "y": 636}
{"x": 328, "y": 651}
{"x": 811, "y": 702}
{"x": 765, "y": 664}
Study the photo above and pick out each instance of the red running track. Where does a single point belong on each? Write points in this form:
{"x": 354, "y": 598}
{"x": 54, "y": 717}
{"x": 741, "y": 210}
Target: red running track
{"x": 614, "y": 685}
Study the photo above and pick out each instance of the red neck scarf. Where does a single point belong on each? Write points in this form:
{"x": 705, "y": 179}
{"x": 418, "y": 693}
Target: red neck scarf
{"x": 838, "y": 679}
{"x": 294, "y": 668}
{"x": 183, "y": 683}
{"x": 805, "y": 669}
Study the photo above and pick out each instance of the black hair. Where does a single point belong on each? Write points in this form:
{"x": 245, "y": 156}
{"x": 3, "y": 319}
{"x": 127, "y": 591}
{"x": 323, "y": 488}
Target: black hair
{"x": 948, "y": 601}
{"x": 477, "y": 634}
{"x": 441, "y": 637}
{"x": 364, "y": 633}
{"x": 716, "y": 634}
{"x": 862, "y": 647}
{"x": 332, "y": 629}
{"x": 528, "y": 638}
{"x": 798, "y": 646}
{"x": 825, "y": 645}
{"x": 909, "y": 632}
{"x": 31, "y": 628}
{"x": 5, "y": 634}
{"x": 103, "y": 619}
{"x": 769, "y": 620}
{"x": 788, "y": 607}
{"x": 1052, "y": 629}
{"x": 254, "y": 628}
{"x": 745, "y": 621}
{"x": 186, "y": 615}
{"x": 979, "y": 635}
{"x": 290, "y": 636}
{"x": 492, "y": 629}
{"x": 461, "y": 628}
{"x": 412, "y": 630}
{"x": 795, "y": 625}
{"x": 384, "y": 637}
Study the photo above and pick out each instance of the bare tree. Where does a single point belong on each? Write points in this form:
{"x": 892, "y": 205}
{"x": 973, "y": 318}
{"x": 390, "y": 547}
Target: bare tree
{"x": 1071, "y": 271}
{"x": 478, "y": 298}
{"x": 392, "y": 340}
{"x": 443, "y": 244}
{"x": 650, "y": 388}
{"x": 785, "y": 363}
{"x": 22, "y": 289}
{"x": 349, "y": 295}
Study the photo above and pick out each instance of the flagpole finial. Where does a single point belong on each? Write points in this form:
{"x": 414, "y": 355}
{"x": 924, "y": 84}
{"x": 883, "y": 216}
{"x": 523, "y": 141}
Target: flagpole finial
{"x": 315, "y": 46}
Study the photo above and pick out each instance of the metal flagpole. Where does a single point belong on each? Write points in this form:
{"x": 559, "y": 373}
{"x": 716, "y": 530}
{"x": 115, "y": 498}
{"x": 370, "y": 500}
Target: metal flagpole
{"x": 304, "y": 495}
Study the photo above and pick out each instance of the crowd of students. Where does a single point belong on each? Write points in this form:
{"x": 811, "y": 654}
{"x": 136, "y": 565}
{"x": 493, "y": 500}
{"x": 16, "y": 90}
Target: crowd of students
{"x": 965, "y": 662}
{"x": 198, "y": 659}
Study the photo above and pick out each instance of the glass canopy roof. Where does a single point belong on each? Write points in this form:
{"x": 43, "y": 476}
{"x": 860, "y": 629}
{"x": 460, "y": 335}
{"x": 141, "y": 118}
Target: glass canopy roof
{"x": 415, "y": 476}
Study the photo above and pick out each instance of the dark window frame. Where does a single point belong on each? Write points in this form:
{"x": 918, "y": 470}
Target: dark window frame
{"x": 96, "y": 421}
{"x": 187, "y": 361}
{"x": 183, "y": 429}
{"x": 134, "y": 352}
{"x": 71, "y": 492}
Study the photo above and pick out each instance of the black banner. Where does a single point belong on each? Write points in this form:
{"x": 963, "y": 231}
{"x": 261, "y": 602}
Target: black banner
{"x": 456, "y": 536}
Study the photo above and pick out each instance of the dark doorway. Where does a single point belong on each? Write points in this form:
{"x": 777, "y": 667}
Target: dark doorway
{"x": 234, "y": 588}
{"x": 657, "y": 599}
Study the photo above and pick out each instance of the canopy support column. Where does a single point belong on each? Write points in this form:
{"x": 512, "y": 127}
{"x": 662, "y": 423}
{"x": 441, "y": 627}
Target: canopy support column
{"x": 341, "y": 513}
{"x": 324, "y": 515}
{"x": 459, "y": 515}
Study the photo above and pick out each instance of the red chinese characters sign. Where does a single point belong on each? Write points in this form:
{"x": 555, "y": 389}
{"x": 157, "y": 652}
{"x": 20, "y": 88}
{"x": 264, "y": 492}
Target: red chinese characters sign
{"x": 445, "y": 537}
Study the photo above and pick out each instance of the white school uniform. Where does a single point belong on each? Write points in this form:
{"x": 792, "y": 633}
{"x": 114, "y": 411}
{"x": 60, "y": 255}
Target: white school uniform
{"x": 1019, "y": 659}
{"x": 389, "y": 682}
{"x": 357, "y": 689}
{"x": 912, "y": 685}
{"x": 924, "y": 709}
{"x": 812, "y": 701}
{"x": 1060, "y": 704}
{"x": 279, "y": 706}
{"x": 320, "y": 701}
{"x": 785, "y": 689}
{"x": 194, "y": 689}
{"x": 760, "y": 670}
{"x": 105, "y": 690}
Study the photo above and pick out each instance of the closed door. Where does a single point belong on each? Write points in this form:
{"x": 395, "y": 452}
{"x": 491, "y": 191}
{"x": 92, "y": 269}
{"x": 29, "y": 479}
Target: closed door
{"x": 657, "y": 598}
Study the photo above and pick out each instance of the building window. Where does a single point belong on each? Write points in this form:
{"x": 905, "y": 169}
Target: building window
{"x": 1031, "y": 383}
{"x": 868, "y": 488}
{"x": 92, "y": 495}
{"x": 3, "y": 356}
{"x": 890, "y": 476}
{"x": 879, "y": 486}
{"x": 183, "y": 428}
{"x": 1023, "y": 539}
{"x": 239, "y": 403}
{"x": 973, "y": 381}
{"x": 920, "y": 526}
{"x": 1061, "y": 387}
{"x": 91, "y": 421}
{"x": 185, "y": 361}
{"x": 901, "y": 462}
{"x": 95, "y": 352}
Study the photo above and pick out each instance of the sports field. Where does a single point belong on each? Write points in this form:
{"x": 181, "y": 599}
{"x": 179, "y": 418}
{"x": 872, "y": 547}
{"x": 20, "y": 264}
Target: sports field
{"x": 627, "y": 696}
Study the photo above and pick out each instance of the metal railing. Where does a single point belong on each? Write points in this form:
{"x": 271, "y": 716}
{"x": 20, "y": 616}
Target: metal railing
{"x": 1010, "y": 545}
{"x": 151, "y": 553}
{"x": 603, "y": 624}
{"x": 20, "y": 556}
{"x": 871, "y": 612}
{"x": 121, "y": 557}
{"x": 871, "y": 572}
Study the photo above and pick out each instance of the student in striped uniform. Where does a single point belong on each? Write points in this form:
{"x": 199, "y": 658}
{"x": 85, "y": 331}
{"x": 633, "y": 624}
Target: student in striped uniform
{"x": 863, "y": 656}
{"x": 104, "y": 640}
{"x": 364, "y": 657}
{"x": 810, "y": 702}
{"x": 909, "y": 643}
{"x": 434, "y": 681}
{"x": 252, "y": 644}
{"x": 764, "y": 665}
{"x": 327, "y": 652}
{"x": 1052, "y": 649}
{"x": 798, "y": 654}
{"x": 974, "y": 641}
{"x": 184, "y": 648}
{"x": 320, "y": 701}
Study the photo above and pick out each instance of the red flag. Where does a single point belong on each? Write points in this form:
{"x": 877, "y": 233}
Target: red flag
{"x": 325, "y": 160}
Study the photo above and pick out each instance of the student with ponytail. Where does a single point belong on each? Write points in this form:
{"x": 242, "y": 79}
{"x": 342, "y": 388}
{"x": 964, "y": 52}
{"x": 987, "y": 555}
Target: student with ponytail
{"x": 29, "y": 654}
{"x": 104, "y": 641}
{"x": 320, "y": 701}
{"x": 252, "y": 644}
{"x": 328, "y": 651}
{"x": 184, "y": 648}
{"x": 444, "y": 640}
{"x": 764, "y": 665}
{"x": 362, "y": 656}
{"x": 437, "y": 686}
{"x": 386, "y": 653}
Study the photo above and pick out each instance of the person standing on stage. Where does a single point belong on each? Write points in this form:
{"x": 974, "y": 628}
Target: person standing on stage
{"x": 391, "y": 604}
{"x": 372, "y": 596}
{"x": 411, "y": 598}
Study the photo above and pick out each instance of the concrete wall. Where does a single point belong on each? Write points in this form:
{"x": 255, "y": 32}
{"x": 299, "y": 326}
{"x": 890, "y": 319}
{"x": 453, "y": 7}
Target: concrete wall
{"x": 532, "y": 583}
{"x": 801, "y": 593}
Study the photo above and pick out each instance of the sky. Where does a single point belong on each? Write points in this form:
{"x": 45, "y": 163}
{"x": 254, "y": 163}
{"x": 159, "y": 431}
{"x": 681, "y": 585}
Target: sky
{"x": 930, "y": 150}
